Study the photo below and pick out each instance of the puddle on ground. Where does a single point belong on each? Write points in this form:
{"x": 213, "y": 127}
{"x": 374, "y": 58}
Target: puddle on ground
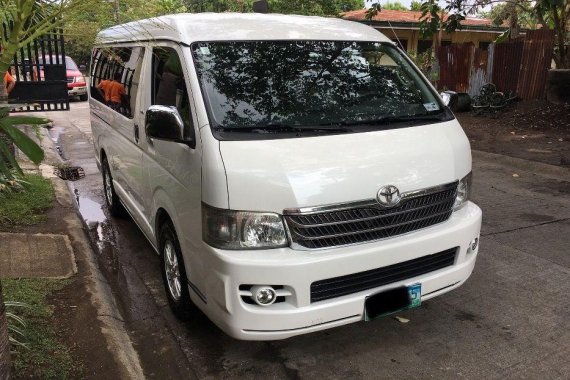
{"x": 54, "y": 134}
{"x": 90, "y": 210}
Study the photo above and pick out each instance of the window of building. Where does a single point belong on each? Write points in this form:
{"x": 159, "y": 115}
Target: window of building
{"x": 115, "y": 76}
{"x": 484, "y": 45}
{"x": 424, "y": 45}
{"x": 169, "y": 86}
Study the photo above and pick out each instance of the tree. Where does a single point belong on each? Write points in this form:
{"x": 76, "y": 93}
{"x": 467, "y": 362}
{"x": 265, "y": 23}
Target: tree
{"x": 305, "y": 7}
{"x": 314, "y": 7}
{"x": 395, "y": 6}
{"x": 82, "y": 24}
{"x": 551, "y": 14}
{"x": 416, "y": 6}
{"x": 196, "y": 6}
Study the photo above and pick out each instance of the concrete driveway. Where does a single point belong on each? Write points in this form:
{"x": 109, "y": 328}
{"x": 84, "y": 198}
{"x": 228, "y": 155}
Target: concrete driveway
{"x": 510, "y": 320}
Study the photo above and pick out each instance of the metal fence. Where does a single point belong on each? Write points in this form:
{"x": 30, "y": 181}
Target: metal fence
{"x": 535, "y": 62}
{"x": 519, "y": 66}
{"x": 41, "y": 74}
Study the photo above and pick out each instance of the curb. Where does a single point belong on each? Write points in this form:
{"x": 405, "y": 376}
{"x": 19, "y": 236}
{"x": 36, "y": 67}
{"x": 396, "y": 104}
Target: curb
{"x": 101, "y": 296}
{"x": 539, "y": 168}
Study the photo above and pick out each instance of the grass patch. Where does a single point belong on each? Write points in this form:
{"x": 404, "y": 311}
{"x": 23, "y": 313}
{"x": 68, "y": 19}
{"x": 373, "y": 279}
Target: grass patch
{"x": 27, "y": 207}
{"x": 45, "y": 357}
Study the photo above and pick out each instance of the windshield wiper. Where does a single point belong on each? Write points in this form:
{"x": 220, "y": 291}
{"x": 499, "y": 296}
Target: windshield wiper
{"x": 283, "y": 128}
{"x": 387, "y": 120}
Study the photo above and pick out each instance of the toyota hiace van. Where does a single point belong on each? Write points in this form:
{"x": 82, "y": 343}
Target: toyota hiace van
{"x": 294, "y": 173}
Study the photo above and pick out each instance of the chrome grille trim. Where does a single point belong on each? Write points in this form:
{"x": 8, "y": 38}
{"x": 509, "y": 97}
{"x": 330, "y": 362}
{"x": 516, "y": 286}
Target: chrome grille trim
{"x": 369, "y": 202}
{"x": 362, "y": 219}
{"x": 328, "y": 226}
{"x": 370, "y": 229}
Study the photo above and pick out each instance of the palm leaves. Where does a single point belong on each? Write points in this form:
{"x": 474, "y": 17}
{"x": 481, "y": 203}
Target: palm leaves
{"x": 16, "y": 324}
{"x": 33, "y": 151}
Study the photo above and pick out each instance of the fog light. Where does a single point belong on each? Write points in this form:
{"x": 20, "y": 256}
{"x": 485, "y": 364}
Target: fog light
{"x": 474, "y": 244}
{"x": 263, "y": 295}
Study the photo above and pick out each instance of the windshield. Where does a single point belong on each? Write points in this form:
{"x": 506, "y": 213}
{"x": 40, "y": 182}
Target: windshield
{"x": 256, "y": 85}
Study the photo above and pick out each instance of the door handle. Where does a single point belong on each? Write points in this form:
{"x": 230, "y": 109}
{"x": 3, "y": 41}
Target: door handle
{"x": 136, "y": 133}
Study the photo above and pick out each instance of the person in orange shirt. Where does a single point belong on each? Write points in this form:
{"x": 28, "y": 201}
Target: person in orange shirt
{"x": 116, "y": 91}
{"x": 103, "y": 88}
{"x": 9, "y": 81}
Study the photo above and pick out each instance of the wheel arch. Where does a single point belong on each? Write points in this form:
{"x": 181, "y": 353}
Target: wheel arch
{"x": 162, "y": 216}
{"x": 102, "y": 154}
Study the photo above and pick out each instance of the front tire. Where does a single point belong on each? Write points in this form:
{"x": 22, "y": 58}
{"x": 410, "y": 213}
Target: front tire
{"x": 174, "y": 272}
{"x": 111, "y": 198}
{"x": 83, "y": 97}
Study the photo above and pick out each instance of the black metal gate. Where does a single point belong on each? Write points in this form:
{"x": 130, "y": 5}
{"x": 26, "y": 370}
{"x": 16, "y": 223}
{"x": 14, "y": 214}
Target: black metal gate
{"x": 41, "y": 74}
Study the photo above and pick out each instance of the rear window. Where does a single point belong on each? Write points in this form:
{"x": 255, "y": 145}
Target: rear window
{"x": 53, "y": 60}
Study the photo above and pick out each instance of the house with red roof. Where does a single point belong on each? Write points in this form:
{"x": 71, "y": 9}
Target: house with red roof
{"x": 403, "y": 27}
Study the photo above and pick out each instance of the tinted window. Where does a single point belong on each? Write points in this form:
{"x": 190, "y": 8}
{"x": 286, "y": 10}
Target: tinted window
{"x": 308, "y": 83}
{"x": 115, "y": 76}
{"x": 169, "y": 86}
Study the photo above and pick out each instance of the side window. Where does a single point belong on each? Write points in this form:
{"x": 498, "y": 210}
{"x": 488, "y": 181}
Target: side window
{"x": 115, "y": 77}
{"x": 169, "y": 86}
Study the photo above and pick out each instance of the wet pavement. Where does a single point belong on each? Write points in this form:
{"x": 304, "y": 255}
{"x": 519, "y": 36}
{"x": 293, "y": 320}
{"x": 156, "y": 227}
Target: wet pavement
{"x": 510, "y": 320}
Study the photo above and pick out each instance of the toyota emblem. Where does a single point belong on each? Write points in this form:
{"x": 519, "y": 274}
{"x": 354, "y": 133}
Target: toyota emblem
{"x": 388, "y": 196}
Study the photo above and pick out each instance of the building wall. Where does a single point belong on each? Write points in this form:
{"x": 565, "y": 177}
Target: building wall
{"x": 413, "y": 37}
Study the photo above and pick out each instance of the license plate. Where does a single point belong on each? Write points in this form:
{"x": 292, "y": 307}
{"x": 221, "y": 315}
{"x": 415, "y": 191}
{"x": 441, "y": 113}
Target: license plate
{"x": 391, "y": 301}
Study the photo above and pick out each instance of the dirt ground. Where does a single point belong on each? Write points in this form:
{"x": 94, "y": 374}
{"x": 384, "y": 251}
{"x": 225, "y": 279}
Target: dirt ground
{"x": 532, "y": 130}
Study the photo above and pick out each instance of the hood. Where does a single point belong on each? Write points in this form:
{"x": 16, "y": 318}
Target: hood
{"x": 272, "y": 175}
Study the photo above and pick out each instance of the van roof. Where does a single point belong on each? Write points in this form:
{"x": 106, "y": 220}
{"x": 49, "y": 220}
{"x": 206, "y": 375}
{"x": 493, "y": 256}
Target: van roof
{"x": 187, "y": 28}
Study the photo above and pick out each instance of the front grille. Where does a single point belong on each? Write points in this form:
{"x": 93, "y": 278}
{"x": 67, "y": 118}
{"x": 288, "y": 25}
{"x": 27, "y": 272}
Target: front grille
{"x": 357, "y": 282}
{"x": 368, "y": 221}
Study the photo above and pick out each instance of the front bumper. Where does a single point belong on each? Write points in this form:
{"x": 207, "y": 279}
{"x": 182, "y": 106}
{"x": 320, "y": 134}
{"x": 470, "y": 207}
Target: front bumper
{"x": 296, "y": 270}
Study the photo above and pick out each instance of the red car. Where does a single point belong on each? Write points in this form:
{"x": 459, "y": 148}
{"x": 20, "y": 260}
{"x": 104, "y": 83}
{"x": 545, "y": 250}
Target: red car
{"x": 76, "y": 84}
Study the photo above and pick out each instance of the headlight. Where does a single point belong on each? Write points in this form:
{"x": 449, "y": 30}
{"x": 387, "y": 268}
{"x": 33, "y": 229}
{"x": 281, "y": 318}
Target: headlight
{"x": 463, "y": 191}
{"x": 228, "y": 229}
{"x": 79, "y": 79}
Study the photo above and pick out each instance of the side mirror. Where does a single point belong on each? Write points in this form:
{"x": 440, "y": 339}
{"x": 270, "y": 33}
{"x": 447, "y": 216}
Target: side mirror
{"x": 164, "y": 123}
{"x": 449, "y": 98}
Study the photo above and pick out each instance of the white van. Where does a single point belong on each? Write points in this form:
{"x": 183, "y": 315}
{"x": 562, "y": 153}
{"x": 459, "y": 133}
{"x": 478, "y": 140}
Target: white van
{"x": 294, "y": 173}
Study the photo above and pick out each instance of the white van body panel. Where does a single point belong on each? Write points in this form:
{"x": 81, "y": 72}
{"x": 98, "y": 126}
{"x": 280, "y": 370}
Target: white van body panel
{"x": 298, "y": 269}
{"x": 192, "y": 27}
{"x": 157, "y": 178}
{"x": 312, "y": 171}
